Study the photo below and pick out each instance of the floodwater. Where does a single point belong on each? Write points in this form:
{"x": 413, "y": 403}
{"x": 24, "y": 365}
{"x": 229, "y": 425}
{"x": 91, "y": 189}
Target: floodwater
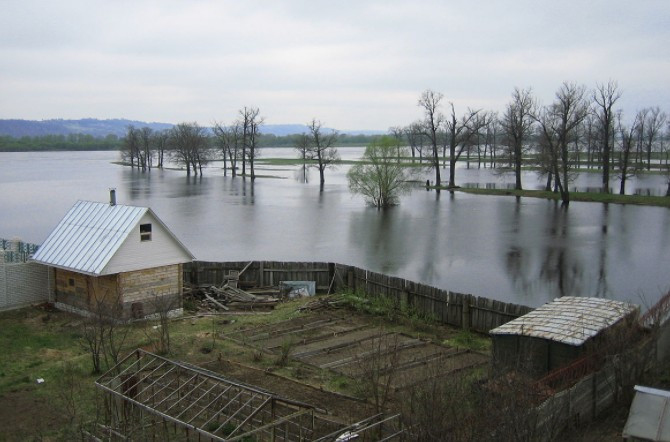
{"x": 525, "y": 250}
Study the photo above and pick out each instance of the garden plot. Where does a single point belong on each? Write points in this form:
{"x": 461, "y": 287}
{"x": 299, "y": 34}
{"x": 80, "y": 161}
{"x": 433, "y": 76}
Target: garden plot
{"x": 353, "y": 346}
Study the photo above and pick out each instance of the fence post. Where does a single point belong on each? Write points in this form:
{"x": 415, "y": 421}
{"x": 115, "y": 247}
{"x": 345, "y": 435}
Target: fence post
{"x": 261, "y": 273}
{"x": 465, "y": 313}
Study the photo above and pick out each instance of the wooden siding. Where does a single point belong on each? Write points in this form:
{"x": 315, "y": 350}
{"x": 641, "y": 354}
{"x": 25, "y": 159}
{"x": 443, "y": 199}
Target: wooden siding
{"x": 86, "y": 291}
{"x": 134, "y": 254}
{"x": 145, "y": 285}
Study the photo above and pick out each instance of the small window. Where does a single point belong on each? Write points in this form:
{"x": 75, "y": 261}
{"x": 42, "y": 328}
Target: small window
{"x": 70, "y": 282}
{"x": 145, "y": 232}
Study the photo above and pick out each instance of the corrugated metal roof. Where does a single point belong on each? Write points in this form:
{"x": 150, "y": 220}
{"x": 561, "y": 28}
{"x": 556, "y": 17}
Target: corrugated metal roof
{"x": 88, "y": 236}
{"x": 570, "y": 320}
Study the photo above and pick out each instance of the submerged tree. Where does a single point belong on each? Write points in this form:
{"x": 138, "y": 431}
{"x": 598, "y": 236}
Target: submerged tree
{"x": 380, "y": 178}
{"x": 559, "y": 124}
{"x": 189, "y": 146}
{"x": 605, "y": 96}
{"x": 458, "y": 137}
{"x": 131, "y": 146}
{"x": 432, "y": 122}
{"x": 517, "y": 126}
{"x": 322, "y": 148}
{"x": 250, "y": 122}
{"x": 625, "y": 169}
{"x": 303, "y": 145}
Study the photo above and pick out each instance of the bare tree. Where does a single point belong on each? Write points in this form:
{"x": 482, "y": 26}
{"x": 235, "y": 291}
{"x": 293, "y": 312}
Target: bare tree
{"x": 415, "y": 138}
{"x": 160, "y": 141}
{"x": 398, "y": 134}
{"x": 517, "y": 126}
{"x": 627, "y": 140}
{"x": 378, "y": 368}
{"x": 250, "y": 122}
{"x": 458, "y": 136}
{"x": 159, "y": 333}
{"x": 653, "y": 125}
{"x": 229, "y": 139}
{"x": 131, "y": 146}
{"x": 322, "y": 148}
{"x": 104, "y": 329}
{"x": 145, "y": 136}
{"x": 559, "y": 124}
{"x": 189, "y": 146}
{"x": 432, "y": 122}
{"x": 303, "y": 146}
{"x": 605, "y": 96}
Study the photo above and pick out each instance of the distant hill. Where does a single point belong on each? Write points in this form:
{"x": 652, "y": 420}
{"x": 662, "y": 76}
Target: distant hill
{"x": 118, "y": 127}
{"x": 88, "y": 126}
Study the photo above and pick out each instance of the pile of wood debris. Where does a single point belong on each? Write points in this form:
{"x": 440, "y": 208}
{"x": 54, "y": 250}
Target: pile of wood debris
{"x": 324, "y": 303}
{"x": 228, "y": 297}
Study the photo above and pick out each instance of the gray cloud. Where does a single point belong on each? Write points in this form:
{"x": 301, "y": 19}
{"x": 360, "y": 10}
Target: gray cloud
{"x": 352, "y": 64}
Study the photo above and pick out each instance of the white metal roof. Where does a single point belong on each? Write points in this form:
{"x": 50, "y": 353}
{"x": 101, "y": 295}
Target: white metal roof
{"x": 570, "y": 320}
{"x": 90, "y": 234}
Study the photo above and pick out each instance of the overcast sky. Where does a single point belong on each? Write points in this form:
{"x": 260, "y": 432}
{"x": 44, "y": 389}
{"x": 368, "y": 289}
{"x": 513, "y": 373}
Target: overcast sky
{"x": 352, "y": 64}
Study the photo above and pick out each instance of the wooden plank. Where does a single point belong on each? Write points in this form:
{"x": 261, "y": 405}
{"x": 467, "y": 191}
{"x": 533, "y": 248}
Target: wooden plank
{"x": 215, "y": 302}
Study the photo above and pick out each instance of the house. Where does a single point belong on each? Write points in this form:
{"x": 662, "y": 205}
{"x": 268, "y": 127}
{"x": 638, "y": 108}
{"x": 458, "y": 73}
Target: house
{"x": 117, "y": 258}
{"x": 557, "y": 333}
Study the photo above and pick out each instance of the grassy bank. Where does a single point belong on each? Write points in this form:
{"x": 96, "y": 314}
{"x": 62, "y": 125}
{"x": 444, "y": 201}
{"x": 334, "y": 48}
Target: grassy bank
{"x": 593, "y": 197}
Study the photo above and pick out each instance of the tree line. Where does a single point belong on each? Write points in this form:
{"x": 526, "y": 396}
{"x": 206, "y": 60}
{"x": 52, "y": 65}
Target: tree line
{"x": 581, "y": 127}
{"x": 58, "y": 142}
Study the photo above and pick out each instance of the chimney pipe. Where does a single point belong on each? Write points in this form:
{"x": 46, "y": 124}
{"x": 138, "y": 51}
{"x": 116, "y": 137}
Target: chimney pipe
{"x": 112, "y": 197}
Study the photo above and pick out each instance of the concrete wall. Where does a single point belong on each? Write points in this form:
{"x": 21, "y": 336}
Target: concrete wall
{"x": 23, "y": 284}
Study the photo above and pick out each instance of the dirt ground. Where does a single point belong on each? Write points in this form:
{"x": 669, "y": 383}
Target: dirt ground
{"x": 339, "y": 408}
{"x": 23, "y": 414}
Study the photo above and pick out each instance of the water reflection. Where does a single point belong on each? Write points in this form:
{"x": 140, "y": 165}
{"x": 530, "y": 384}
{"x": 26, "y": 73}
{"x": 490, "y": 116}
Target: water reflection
{"x": 602, "y": 286}
{"x": 522, "y": 250}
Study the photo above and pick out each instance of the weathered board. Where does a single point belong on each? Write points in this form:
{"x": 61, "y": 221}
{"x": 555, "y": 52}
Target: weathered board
{"x": 457, "y": 309}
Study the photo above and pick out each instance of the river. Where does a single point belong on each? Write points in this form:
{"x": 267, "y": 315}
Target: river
{"x": 521, "y": 250}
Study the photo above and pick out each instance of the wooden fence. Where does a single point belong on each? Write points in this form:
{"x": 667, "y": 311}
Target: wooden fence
{"x": 457, "y": 309}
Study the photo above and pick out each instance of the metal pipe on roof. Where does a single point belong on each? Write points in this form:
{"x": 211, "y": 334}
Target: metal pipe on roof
{"x": 112, "y": 197}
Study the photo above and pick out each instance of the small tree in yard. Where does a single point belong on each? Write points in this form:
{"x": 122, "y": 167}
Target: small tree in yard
{"x": 159, "y": 334}
{"x": 381, "y": 179}
{"x": 104, "y": 330}
{"x": 378, "y": 369}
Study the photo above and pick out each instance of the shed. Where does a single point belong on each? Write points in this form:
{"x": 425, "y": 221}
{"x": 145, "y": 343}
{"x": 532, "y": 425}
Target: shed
{"x": 108, "y": 255}
{"x": 555, "y": 334}
{"x": 649, "y": 415}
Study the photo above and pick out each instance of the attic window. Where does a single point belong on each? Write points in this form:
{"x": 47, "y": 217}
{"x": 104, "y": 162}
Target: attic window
{"x": 145, "y": 232}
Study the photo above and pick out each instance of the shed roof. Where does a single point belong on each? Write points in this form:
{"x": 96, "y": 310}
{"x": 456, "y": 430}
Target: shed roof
{"x": 649, "y": 415}
{"x": 90, "y": 234}
{"x": 569, "y": 320}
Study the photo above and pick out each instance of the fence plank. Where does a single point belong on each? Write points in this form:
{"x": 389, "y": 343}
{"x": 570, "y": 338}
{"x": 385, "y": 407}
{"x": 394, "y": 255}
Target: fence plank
{"x": 444, "y": 306}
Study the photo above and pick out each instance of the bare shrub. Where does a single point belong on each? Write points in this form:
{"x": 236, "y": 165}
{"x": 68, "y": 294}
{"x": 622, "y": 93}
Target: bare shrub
{"x": 285, "y": 350}
{"x": 159, "y": 334}
{"x": 378, "y": 369}
{"x": 105, "y": 330}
